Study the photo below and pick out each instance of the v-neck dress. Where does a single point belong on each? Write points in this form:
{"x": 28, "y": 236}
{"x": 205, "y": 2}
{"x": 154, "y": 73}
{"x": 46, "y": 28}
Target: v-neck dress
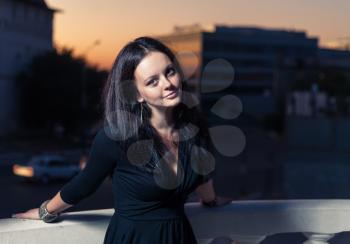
{"x": 149, "y": 204}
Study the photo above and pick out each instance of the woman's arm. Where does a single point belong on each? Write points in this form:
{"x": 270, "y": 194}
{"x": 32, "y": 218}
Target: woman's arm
{"x": 207, "y": 195}
{"x": 206, "y": 191}
{"x": 103, "y": 157}
{"x": 55, "y": 205}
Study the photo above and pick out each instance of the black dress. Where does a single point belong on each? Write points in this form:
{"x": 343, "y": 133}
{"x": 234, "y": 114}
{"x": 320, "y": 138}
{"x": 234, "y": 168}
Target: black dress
{"x": 149, "y": 205}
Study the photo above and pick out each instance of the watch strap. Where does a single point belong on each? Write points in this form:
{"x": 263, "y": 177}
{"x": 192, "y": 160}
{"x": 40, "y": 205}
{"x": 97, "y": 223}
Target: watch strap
{"x": 44, "y": 213}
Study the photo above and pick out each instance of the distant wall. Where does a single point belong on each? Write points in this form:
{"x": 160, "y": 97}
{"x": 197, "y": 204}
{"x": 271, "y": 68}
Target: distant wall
{"x": 331, "y": 134}
{"x": 317, "y": 163}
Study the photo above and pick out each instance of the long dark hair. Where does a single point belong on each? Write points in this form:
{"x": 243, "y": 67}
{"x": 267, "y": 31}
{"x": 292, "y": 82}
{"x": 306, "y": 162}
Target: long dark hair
{"x": 127, "y": 120}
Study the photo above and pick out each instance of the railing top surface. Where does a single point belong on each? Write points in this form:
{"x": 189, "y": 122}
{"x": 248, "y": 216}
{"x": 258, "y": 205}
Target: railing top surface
{"x": 263, "y": 217}
{"x": 69, "y": 218}
{"x": 283, "y": 205}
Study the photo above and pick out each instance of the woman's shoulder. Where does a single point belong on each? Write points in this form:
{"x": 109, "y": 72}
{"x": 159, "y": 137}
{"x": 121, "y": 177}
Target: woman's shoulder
{"x": 104, "y": 137}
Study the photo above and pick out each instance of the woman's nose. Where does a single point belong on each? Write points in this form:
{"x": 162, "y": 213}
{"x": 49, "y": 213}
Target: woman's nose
{"x": 166, "y": 82}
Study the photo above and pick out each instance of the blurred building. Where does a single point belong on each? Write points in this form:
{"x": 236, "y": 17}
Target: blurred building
{"x": 265, "y": 62}
{"x": 25, "y": 31}
{"x": 275, "y": 71}
{"x": 334, "y": 58}
{"x": 316, "y": 102}
{"x": 317, "y": 133}
{"x": 308, "y": 103}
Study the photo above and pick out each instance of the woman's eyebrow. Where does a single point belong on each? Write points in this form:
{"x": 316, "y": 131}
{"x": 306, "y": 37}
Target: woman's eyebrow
{"x": 153, "y": 76}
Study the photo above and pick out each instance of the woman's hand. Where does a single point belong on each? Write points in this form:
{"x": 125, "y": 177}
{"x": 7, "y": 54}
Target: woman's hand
{"x": 221, "y": 201}
{"x": 30, "y": 214}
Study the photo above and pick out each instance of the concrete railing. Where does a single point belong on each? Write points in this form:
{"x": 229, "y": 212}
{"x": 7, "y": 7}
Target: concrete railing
{"x": 247, "y": 222}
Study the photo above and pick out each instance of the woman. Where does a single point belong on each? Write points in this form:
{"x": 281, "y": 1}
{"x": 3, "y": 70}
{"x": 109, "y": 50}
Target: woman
{"x": 154, "y": 145}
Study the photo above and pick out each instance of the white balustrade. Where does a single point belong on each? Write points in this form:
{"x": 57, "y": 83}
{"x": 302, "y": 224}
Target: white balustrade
{"x": 247, "y": 222}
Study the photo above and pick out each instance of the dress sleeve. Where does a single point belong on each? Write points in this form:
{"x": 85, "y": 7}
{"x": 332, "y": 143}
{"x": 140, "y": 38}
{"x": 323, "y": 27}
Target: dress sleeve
{"x": 102, "y": 161}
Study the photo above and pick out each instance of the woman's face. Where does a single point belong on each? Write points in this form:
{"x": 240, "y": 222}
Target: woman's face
{"x": 157, "y": 81}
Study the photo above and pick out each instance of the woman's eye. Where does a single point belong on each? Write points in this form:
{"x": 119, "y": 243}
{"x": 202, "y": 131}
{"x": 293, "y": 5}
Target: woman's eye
{"x": 171, "y": 71}
{"x": 152, "y": 82}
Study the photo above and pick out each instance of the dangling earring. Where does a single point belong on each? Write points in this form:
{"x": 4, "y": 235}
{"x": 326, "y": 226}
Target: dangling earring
{"x": 141, "y": 113}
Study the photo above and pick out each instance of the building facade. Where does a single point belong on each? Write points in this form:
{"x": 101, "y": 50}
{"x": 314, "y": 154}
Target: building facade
{"x": 265, "y": 62}
{"x": 26, "y": 28}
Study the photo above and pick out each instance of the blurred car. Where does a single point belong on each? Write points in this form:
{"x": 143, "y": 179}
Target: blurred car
{"x": 46, "y": 168}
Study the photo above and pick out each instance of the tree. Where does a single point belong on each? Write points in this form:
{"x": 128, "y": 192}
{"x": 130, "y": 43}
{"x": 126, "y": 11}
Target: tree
{"x": 51, "y": 89}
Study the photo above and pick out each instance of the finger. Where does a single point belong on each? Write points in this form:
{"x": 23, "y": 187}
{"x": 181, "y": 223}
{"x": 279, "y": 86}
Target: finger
{"x": 17, "y": 215}
{"x": 22, "y": 216}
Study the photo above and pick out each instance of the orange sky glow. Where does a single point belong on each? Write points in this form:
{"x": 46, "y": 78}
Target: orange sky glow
{"x": 82, "y": 22}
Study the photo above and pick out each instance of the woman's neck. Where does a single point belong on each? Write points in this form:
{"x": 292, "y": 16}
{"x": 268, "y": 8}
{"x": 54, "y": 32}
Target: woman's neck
{"x": 163, "y": 122}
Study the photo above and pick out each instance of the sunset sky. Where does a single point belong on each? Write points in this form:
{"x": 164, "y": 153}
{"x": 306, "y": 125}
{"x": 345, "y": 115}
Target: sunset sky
{"x": 115, "y": 22}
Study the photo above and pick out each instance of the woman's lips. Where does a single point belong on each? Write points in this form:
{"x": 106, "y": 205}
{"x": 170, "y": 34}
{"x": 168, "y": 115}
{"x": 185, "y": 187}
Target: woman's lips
{"x": 172, "y": 94}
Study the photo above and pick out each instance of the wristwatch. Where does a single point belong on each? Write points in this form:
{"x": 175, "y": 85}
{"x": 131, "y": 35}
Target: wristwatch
{"x": 45, "y": 215}
{"x": 210, "y": 204}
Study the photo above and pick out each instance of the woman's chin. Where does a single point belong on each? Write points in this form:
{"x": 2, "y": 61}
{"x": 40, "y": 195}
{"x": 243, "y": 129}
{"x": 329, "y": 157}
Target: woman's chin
{"x": 172, "y": 103}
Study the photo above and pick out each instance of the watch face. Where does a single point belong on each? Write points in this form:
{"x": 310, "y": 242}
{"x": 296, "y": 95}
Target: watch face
{"x": 41, "y": 212}
{"x": 45, "y": 215}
